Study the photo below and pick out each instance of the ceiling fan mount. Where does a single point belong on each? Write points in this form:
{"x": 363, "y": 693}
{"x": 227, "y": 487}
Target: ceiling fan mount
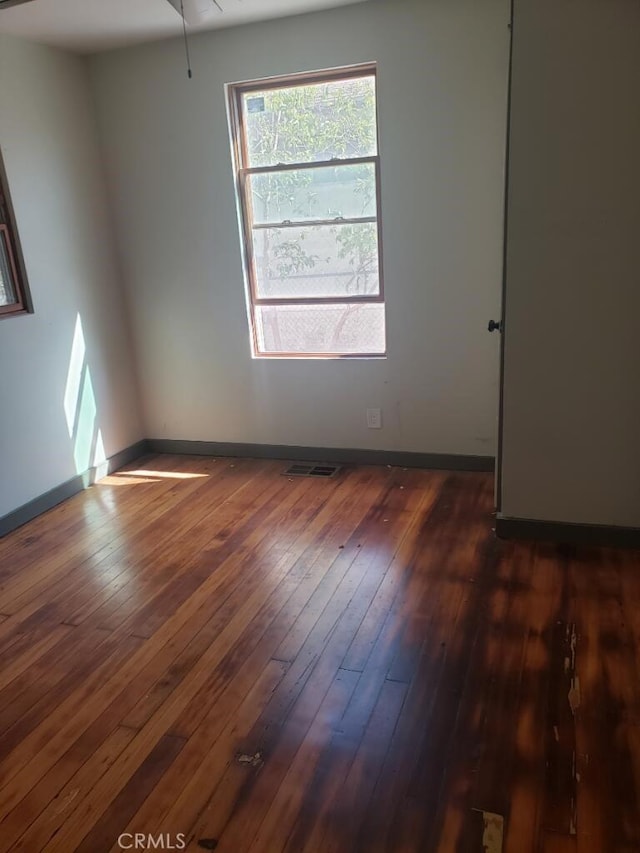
{"x": 5, "y": 4}
{"x": 198, "y": 11}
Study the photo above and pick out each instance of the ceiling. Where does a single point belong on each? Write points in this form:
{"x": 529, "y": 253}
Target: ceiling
{"x": 87, "y": 26}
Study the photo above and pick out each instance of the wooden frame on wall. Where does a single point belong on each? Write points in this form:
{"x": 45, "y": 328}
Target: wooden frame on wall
{"x": 18, "y": 299}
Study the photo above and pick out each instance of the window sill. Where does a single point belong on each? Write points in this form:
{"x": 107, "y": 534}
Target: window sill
{"x": 314, "y": 357}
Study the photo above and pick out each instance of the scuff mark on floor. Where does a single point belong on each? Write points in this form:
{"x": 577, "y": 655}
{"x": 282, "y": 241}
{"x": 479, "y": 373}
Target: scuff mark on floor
{"x": 563, "y": 755}
{"x": 574, "y": 694}
{"x": 573, "y": 830}
{"x": 493, "y": 833}
{"x": 64, "y": 803}
{"x": 573, "y": 820}
{"x": 250, "y": 760}
{"x": 574, "y": 642}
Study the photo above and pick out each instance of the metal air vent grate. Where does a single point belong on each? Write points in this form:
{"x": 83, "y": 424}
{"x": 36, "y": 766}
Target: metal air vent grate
{"x": 301, "y": 469}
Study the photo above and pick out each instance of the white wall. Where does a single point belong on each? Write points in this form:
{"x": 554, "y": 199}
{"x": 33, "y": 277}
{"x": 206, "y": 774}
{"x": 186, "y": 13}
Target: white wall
{"x": 48, "y": 141}
{"x": 572, "y": 345}
{"x": 442, "y": 90}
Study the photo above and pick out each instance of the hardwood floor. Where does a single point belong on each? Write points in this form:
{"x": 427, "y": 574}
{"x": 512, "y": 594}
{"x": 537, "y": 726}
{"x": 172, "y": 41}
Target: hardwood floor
{"x": 205, "y": 647}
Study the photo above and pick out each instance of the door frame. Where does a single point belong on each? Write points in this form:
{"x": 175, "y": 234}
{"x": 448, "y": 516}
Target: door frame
{"x": 498, "y": 474}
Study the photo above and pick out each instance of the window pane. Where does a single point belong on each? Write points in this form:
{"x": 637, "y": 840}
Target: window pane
{"x": 323, "y": 193}
{"x": 317, "y": 261}
{"x": 338, "y": 329}
{"x": 299, "y": 124}
{"x": 7, "y": 287}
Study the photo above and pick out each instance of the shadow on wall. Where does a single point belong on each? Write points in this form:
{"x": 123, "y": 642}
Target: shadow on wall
{"x": 81, "y": 410}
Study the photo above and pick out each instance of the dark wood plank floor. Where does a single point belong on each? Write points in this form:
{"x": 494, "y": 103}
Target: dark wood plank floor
{"x": 208, "y": 648}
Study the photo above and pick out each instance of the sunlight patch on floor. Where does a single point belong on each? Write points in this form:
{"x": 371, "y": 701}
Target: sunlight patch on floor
{"x": 165, "y": 475}
{"x": 124, "y": 480}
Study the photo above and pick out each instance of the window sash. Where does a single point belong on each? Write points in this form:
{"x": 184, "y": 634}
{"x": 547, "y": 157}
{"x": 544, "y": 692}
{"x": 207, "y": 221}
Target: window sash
{"x": 245, "y": 174}
{"x": 291, "y": 81}
{"x": 249, "y": 225}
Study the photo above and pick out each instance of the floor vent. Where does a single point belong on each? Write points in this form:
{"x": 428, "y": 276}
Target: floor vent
{"x": 306, "y": 470}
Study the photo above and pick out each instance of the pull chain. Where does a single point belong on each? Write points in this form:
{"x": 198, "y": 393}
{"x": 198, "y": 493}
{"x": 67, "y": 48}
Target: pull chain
{"x": 186, "y": 39}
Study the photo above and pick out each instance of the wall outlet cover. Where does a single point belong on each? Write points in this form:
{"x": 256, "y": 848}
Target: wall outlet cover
{"x": 374, "y": 418}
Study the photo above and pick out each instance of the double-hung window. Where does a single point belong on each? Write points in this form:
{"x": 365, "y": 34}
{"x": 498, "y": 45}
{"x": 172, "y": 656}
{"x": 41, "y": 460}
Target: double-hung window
{"x": 308, "y": 182}
{"x": 13, "y": 284}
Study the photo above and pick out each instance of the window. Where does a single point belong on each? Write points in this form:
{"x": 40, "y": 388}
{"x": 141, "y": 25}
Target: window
{"x": 13, "y": 285}
{"x": 308, "y": 177}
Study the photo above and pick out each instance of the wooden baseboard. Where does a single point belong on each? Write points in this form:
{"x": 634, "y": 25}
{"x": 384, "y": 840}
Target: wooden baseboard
{"x": 572, "y": 534}
{"x": 353, "y": 456}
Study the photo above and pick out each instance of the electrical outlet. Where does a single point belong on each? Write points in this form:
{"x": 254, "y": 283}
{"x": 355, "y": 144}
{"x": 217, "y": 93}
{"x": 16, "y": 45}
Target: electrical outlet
{"x": 374, "y": 418}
